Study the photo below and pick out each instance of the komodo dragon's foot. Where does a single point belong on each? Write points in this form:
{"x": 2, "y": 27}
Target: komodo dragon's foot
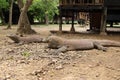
{"x": 60, "y": 50}
{"x": 100, "y": 47}
{"x": 104, "y": 49}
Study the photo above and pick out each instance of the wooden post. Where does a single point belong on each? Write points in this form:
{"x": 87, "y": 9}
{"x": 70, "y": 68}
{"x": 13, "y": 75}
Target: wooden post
{"x": 91, "y": 19}
{"x": 103, "y": 22}
{"x": 72, "y": 28}
{"x": 111, "y": 24}
{"x": 60, "y": 20}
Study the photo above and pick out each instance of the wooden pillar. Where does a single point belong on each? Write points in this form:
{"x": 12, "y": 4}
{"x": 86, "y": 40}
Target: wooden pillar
{"x": 91, "y": 20}
{"x": 111, "y": 24}
{"x": 72, "y": 28}
{"x": 60, "y": 20}
{"x": 103, "y": 22}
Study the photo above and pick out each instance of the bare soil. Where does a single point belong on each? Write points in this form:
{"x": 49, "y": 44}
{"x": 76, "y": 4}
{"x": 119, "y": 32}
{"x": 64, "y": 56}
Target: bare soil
{"x": 34, "y": 62}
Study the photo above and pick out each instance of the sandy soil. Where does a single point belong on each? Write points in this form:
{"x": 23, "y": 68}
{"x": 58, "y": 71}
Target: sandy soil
{"x": 34, "y": 62}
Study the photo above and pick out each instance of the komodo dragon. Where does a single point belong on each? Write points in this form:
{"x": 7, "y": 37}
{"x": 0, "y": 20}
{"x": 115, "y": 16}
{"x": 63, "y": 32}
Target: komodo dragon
{"x": 27, "y": 39}
{"x": 63, "y": 45}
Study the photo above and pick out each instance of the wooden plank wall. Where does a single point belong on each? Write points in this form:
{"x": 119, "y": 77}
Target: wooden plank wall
{"x": 95, "y": 21}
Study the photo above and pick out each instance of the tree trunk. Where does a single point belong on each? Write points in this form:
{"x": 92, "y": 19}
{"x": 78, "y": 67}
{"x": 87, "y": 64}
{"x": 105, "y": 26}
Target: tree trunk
{"x": 46, "y": 19}
{"x": 10, "y": 14}
{"x": 2, "y": 17}
{"x": 72, "y": 28}
{"x": 20, "y": 4}
{"x": 103, "y": 22}
{"x": 24, "y": 26}
{"x": 60, "y": 21}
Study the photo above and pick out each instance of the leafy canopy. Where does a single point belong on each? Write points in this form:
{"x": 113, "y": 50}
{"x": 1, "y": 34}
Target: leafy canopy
{"x": 40, "y": 8}
{"x": 3, "y": 4}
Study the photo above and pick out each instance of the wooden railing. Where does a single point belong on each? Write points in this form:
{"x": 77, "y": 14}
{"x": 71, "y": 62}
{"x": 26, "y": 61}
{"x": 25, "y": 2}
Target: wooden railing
{"x": 81, "y": 2}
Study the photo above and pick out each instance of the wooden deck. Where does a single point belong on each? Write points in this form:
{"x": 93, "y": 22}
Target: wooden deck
{"x": 80, "y": 2}
{"x": 81, "y": 5}
{"x": 99, "y": 12}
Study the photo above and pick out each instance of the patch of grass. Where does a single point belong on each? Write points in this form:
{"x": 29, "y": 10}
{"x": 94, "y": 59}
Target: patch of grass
{"x": 26, "y": 54}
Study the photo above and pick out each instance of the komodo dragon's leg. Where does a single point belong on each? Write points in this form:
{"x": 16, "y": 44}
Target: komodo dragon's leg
{"x": 61, "y": 49}
{"x": 99, "y": 46}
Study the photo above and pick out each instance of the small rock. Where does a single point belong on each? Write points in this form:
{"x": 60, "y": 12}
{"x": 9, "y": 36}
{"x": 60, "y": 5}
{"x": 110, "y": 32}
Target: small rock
{"x": 23, "y": 61}
{"x": 54, "y": 60}
{"x": 117, "y": 50}
{"x": 40, "y": 78}
{"x": 118, "y": 69}
{"x": 91, "y": 66}
{"x": 59, "y": 67}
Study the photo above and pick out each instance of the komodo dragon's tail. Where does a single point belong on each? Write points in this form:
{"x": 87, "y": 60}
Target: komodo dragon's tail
{"x": 109, "y": 43}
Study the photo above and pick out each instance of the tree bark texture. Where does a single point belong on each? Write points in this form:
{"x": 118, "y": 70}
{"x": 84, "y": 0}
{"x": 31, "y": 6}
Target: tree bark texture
{"x": 24, "y": 26}
{"x": 10, "y": 14}
{"x": 103, "y": 22}
{"x": 46, "y": 19}
{"x": 2, "y": 17}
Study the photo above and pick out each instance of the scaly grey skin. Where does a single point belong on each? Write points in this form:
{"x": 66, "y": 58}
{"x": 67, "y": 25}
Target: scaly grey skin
{"x": 63, "y": 45}
{"x": 27, "y": 39}
{"x": 15, "y": 38}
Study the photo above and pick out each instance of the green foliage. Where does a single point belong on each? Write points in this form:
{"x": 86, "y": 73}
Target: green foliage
{"x": 3, "y": 4}
{"x": 26, "y": 54}
{"x": 41, "y": 7}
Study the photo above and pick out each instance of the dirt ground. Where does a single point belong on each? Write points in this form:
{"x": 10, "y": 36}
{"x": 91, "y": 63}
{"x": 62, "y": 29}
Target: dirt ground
{"x": 34, "y": 62}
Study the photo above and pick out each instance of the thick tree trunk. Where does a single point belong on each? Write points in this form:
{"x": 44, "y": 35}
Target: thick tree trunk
{"x": 24, "y": 26}
{"x": 20, "y": 4}
{"x": 103, "y": 22}
{"x": 10, "y": 14}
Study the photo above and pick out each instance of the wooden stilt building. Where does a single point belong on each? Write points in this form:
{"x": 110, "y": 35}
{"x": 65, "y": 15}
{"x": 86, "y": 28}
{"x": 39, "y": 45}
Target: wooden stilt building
{"x": 100, "y": 11}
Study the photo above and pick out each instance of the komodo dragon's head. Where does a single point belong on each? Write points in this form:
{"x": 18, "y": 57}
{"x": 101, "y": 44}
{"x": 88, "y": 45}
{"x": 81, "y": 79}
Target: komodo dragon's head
{"x": 13, "y": 37}
{"x": 54, "y": 42}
